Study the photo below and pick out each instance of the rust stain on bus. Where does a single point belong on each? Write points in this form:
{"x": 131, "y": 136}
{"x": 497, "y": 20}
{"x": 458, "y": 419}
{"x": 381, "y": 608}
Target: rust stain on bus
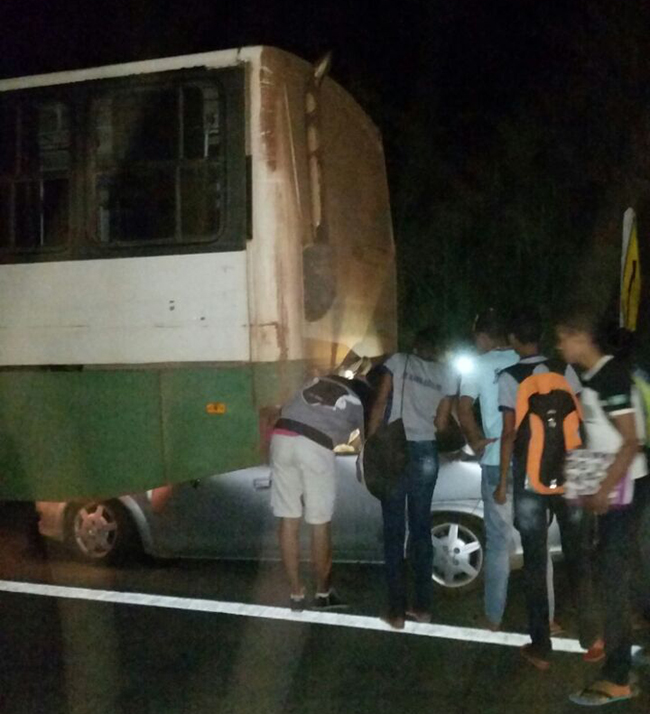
{"x": 268, "y": 94}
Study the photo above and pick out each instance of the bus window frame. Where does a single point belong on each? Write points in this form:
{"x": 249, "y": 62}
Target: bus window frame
{"x": 38, "y": 96}
{"x": 83, "y": 240}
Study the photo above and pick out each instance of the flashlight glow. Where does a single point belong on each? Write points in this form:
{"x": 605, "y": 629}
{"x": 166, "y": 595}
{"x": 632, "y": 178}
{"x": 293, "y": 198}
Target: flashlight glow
{"x": 464, "y": 364}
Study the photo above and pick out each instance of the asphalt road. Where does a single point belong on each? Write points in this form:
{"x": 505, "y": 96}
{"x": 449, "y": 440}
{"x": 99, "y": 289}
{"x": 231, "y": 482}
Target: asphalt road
{"x": 59, "y": 655}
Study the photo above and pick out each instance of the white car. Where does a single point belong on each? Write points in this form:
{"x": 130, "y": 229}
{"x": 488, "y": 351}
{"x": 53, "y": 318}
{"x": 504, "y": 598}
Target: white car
{"x": 228, "y": 516}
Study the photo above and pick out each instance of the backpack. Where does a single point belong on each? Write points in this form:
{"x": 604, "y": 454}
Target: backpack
{"x": 643, "y": 387}
{"x": 548, "y": 421}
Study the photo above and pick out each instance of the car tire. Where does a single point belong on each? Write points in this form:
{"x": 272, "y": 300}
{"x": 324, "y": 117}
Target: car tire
{"x": 458, "y": 552}
{"x": 101, "y": 532}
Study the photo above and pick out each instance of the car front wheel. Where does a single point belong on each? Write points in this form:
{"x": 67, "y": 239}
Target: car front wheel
{"x": 458, "y": 552}
{"x": 100, "y": 532}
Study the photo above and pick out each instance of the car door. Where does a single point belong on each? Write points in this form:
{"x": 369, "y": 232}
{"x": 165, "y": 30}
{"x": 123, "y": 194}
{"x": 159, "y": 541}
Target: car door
{"x": 357, "y": 524}
{"x": 225, "y": 516}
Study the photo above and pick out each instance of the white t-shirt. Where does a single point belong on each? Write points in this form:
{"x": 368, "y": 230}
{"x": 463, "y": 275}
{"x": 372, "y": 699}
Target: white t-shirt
{"x": 482, "y": 383}
{"x": 425, "y": 385}
{"x": 608, "y": 391}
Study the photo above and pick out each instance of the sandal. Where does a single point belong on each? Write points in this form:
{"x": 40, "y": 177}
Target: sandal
{"x": 531, "y": 655}
{"x": 593, "y": 696}
{"x": 596, "y": 653}
{"x": 419, "y": 616}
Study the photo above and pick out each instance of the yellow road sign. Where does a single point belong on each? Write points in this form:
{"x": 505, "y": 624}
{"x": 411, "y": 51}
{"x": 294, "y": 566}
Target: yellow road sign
{"x": 630, "y": 272}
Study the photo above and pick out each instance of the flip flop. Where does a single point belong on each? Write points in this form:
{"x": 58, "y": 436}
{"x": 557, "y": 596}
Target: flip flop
{"x": 642, "y": 658}
{"x": 419, "y": 616}
{"x": 590, "y": 697}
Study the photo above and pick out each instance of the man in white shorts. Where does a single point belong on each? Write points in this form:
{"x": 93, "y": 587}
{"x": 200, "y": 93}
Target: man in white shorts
{"x": 320, "y": 416}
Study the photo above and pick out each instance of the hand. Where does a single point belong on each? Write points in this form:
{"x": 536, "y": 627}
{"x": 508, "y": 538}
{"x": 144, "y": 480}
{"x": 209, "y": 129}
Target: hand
{"x": 501, "y": 494}
{"x": 479, "y": 446}
{"x": 598, "y": 503}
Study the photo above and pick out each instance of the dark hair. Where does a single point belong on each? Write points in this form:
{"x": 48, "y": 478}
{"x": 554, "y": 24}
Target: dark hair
{"x": 526, "y": 326}
{"x": 584, "y": 318}
{"x": 621, "y": 342}
{"x": 491, "y": 323}
{"x": 428, "y": 338}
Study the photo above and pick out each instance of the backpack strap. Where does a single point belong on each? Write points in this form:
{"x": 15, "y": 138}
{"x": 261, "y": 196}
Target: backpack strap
{"x": 643, "y": 389}
{"x": 521, "y": 371}
{"x": 556, "y": 365}
{"x": 544, "y": 383}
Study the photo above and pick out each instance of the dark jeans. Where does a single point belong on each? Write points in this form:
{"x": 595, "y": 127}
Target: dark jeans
{"x": 641, "y": 574}
{"x": 532, "y": 512}
{"x": 614, "y": 544}
{"x": 413, "y": 492}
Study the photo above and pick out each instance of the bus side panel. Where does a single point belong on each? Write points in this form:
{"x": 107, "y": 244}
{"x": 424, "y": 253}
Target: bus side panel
{"x": 90, "y": 434}
{"x": 156, "y": 309}
{"x": 210, "y": 421}
{"x": 97, "y": 434}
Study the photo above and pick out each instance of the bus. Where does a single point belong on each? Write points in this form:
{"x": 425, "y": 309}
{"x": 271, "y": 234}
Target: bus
{"x": 182, "y": 241}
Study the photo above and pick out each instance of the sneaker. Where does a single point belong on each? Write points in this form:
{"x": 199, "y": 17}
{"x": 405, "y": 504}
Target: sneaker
{"x": 329, "y": 601}
{"x": 297, "y": 602}
{"x": 531, "y": 655}
{"x": 595, "y": 653}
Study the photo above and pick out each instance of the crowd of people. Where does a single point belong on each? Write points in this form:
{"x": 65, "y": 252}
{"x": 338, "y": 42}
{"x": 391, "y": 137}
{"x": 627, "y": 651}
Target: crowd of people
{"x": 537, "y": 415}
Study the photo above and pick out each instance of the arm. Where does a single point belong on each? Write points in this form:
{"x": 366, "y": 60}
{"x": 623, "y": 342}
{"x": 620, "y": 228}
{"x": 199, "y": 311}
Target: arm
{"x": 473, "y": 434}
{"x": 443, "y": 414}
{"x": 507, "y": 445}
{"x": 379, "y": 406}
{"x": 626, "y": 425}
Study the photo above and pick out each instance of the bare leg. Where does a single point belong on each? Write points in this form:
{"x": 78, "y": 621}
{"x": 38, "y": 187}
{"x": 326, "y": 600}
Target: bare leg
{"x": 288, "y": 534}
{"x": 321, "y": 555}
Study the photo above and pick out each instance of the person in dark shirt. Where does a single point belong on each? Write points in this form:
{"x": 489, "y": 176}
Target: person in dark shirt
{"x": 612, "y": 419}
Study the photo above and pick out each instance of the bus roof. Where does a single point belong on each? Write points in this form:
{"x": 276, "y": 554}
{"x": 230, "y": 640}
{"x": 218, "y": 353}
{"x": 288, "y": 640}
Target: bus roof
{"x": 216, "y": 60}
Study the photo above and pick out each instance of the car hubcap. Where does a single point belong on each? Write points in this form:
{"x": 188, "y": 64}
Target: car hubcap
{"x": 457, "y": 555}
{"x": 95, "y": 530}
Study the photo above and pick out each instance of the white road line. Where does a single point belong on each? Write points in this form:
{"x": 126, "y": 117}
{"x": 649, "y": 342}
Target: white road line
{"x": 335, "y": 619}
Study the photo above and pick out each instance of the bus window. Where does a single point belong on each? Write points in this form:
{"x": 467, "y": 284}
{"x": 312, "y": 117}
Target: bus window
{"x": 159, "y": 165}
{"x": 34, "y": 176}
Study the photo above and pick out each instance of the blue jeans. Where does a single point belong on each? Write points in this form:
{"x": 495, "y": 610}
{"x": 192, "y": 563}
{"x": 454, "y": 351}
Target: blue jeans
{"x": 414, "y": 493}
{"x": 498, "y": 545}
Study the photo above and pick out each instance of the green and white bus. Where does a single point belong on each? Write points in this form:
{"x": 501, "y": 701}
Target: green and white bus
{"x": 181, "y": 241}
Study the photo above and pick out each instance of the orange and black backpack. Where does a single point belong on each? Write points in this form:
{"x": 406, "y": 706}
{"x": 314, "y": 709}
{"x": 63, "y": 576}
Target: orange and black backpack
{"x": 548, "y": 420}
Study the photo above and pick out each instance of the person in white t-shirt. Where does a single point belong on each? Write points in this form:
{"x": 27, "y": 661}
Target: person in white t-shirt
{"x": 482, "y": 384}
{"x": 413, "y": 387}
{"x": 533, "y": 510}
{"x": 611, "y": 415}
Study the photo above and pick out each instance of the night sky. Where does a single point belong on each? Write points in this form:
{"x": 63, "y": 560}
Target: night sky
{"x": 516, "y": 132}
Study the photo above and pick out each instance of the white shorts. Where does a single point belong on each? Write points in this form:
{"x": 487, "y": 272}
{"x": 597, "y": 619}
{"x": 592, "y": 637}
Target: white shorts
{"x": 303, "y": 479}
